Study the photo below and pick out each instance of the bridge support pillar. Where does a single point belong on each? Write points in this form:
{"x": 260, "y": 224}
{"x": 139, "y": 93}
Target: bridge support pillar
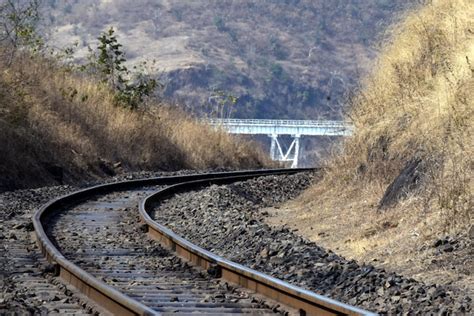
{"x": 273, "y": 146}
{"x": 291, "y": 155}
{"x": 297, "y": 152}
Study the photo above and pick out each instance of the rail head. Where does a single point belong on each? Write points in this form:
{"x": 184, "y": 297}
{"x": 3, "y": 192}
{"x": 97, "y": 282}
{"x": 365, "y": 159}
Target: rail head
{"x": 296, "y": 297}
{"x": 111, "y": 299}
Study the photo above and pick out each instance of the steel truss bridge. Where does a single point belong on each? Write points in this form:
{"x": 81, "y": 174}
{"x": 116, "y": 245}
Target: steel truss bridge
{"x": 276, "y": 128}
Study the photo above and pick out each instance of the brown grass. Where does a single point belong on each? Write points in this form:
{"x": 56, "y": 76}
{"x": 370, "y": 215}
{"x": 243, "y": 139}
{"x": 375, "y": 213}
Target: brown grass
{"x": 417, "y": 104}
{"x": 53, "y": 118}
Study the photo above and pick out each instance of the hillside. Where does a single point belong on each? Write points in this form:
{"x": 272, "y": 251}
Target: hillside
{"x": 60, "y": 126}
{"x": 283, "y": 59}
{"x": 399, "y": 194}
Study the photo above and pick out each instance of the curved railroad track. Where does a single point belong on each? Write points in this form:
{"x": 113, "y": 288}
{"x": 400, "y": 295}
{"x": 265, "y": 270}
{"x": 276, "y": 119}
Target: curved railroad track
{"x": 94, "y": 238}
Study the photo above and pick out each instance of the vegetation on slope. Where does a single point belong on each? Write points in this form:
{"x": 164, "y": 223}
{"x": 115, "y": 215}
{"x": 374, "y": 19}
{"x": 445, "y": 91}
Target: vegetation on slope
{"x": 53, "y": 121}
{"x": 406, "y": 177}
{"x": 418, "y": 107}
{"x": 283, "y": 59}
{"x": 59, "y": 124}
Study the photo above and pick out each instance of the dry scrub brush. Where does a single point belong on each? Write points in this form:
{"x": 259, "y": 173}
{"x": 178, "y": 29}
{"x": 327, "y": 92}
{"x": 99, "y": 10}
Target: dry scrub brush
{"x": 51, "y": 117}
{"x": 418, "y": 104}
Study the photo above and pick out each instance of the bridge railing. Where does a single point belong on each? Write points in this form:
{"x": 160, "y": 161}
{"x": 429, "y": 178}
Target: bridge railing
{"x": 266, "y": 122}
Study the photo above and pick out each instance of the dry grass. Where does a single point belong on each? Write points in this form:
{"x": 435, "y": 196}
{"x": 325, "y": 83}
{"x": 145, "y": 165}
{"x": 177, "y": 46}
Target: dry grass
{"x": 417, "y": 104}
{"x": 51, "y": 118}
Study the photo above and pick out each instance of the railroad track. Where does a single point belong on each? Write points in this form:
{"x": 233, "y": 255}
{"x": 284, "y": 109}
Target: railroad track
{"x": 95, "y": 240}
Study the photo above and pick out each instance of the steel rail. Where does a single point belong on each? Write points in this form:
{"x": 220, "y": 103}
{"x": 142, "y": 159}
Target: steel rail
{"x": 307, "y": 302}
{"x": 98, "y": 291}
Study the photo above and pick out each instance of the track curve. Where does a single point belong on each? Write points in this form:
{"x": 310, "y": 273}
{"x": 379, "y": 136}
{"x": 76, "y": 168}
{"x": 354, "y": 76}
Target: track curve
{"x": 130, "y": 276}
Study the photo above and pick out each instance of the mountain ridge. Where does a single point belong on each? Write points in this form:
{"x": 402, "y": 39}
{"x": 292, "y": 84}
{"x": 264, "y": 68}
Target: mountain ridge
{"x": 291, "y": 59}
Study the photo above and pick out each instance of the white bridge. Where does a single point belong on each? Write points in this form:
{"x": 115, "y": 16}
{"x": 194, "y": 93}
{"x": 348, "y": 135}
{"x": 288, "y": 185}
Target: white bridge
{"x": 275, "y": 128}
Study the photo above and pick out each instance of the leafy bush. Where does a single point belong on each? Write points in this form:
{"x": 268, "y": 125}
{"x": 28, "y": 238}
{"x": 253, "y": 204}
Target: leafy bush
{"x": 109, "y": 65}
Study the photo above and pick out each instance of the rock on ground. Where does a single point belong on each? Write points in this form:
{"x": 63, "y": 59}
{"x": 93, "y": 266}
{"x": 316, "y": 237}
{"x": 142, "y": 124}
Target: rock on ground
{"x": 28, "y": 285}
{"x": 227, "y": 220}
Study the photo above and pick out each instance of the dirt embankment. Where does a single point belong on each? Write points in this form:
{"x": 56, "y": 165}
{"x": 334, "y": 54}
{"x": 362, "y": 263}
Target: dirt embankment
{"x": 400, "y": 192}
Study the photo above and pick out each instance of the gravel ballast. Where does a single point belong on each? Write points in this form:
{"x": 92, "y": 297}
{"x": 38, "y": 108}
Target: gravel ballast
{"x": 28, "y": 285}
{"x": 228, "y": 221}
{"x": 105, "y": 237}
